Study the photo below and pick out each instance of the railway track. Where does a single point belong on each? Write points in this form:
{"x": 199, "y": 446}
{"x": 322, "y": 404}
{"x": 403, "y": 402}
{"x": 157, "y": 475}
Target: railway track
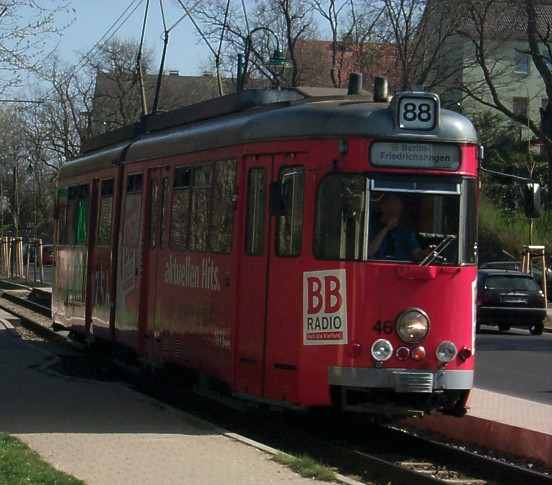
{"x": 371, "y": 453}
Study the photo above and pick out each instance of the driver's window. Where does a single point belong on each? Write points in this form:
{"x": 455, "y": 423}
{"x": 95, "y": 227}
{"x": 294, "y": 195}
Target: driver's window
{"x": 406, "y": 226}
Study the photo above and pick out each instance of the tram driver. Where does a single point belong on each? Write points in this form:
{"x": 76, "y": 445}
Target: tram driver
{"x": 389, "y": 237}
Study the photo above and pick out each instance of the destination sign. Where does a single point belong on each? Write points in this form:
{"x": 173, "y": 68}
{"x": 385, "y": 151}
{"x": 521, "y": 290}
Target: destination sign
{"x": 415, "y": 155}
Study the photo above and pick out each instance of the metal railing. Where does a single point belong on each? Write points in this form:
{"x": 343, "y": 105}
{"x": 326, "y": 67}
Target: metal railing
{"x": 21, "y": 259}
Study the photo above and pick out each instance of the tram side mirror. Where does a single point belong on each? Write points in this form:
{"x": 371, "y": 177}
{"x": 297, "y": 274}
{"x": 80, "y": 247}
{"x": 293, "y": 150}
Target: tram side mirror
{"x": 277, "y": 201}
{"x": 533, "y": 200}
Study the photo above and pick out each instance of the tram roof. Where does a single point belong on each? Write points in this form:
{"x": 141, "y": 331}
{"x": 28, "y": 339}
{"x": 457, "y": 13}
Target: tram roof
{"x": 256, "y": 116}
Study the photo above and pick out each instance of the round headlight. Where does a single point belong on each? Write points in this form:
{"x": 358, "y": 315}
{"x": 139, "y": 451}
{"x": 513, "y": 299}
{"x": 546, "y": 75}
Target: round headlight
{"x": 382, "y": 350}
{"x": 412, "y": 326}
{"x": 446, "y": 351}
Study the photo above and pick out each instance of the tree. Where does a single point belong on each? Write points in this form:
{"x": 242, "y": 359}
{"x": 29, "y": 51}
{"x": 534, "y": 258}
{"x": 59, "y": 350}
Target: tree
{"x": 26, "y": 27}
{"x": 117, "y": 98}
{"x": 293, "y": 21}
{"x": 290, "y": 20}
{"x": 493, "y": 24}
{"x": 421, "y": 30}
{"x": 25, "y": 185}
{"x": 58, "y": 125}
{"x": 351, "y": 29}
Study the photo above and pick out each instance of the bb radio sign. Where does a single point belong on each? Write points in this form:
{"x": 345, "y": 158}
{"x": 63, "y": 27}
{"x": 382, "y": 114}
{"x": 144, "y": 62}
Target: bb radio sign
{"x": 325, "y": 307}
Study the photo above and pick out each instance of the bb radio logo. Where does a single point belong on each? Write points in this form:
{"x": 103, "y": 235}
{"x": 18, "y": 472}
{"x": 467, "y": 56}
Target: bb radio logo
{"x": 325, "y": 307}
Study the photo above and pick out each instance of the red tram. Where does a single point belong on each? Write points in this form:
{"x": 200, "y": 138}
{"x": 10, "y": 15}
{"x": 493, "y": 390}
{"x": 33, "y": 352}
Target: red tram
{"x": 305, "y": 251}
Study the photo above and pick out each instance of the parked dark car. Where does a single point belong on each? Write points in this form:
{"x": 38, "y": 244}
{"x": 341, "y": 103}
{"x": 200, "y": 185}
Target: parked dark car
{"x": 505, "y": 265}
{"x": 510, "y": 298}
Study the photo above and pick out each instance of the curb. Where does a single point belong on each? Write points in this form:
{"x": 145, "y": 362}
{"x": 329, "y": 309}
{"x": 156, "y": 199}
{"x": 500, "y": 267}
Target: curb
{"x": 492, "y": 435}
{"x": 200, "y": 422}
{"x": 40, "y": 329}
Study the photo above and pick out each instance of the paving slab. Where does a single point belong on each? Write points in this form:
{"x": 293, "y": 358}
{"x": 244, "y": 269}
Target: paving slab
{"x": 106, "y": 433}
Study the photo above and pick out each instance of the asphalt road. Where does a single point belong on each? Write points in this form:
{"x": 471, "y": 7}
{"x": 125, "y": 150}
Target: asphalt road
{"x": 515, "y": 363}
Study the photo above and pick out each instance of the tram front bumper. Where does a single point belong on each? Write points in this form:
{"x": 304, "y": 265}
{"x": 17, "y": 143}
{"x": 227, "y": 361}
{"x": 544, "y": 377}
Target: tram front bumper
{"x": 401, "y": 380}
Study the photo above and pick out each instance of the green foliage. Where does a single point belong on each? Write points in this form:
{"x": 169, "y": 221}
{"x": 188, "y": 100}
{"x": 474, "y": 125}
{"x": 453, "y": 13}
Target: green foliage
{"x": 508, "y": 230}
{"x": 19, "y": 465}
{"x": 502, "y": 222}
{"x": 306, "y": 467}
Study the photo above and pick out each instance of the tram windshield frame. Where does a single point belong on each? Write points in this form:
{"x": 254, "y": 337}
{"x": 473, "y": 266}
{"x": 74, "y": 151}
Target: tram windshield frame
{"x": 395, "y": 218}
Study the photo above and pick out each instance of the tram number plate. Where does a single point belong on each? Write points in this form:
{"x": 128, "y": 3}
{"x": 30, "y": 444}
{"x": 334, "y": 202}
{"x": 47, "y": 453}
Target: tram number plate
{"x": 417, "y": 113}
{"x": 384, "y": 327}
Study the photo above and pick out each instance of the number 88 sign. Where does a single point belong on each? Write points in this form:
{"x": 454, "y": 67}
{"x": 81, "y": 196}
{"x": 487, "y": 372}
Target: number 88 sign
{"x": 417, "y": 113}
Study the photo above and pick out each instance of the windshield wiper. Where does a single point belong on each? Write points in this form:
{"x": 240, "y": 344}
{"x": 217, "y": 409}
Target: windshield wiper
{"x": 444, "y": 244}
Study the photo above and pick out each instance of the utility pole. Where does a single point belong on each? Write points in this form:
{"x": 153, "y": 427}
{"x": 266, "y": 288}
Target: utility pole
{"x": 15, "y": 210}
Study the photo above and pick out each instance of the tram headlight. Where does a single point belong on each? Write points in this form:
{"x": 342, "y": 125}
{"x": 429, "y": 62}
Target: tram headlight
{"x": 446, "y": 351}
{"x": 382, "y": 350}
{"x": 412, "y": 325}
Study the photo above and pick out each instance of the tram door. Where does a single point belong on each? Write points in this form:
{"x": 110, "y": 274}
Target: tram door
{"x": 129, "y": 272}
{"x": 254, "y": 254}
{"x": 291, "y": 185}
{"x": 158, "y": 186}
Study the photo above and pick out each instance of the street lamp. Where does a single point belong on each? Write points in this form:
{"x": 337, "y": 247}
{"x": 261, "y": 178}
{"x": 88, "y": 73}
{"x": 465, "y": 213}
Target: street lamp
{"x": 278, "y": 59}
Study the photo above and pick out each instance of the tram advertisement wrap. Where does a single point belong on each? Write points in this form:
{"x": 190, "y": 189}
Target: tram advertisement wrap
{"x": 325, "y": 307}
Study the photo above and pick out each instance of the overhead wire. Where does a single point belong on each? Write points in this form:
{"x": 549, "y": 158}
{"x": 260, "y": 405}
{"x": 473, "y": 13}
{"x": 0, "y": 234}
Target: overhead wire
{"x": 223, "y": 27}
{"x": 110, "y": 33}
{"x": 245, "y": 17}
{"x": 206, "y": 40}
{"x": 166, "y": 33}
{"x": 139, "y": 70}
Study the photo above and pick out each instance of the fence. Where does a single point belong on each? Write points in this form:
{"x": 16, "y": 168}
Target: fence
{"x": 21, "y": 260}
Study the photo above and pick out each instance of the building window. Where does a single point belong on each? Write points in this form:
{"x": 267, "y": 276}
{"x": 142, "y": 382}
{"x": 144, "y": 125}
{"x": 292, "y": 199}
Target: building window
{"x": 254, "y": 232}
{"x": 105, "y": 214}
{"x": 520, "y": 106}
{"x": 522, "y": 62}
{"x": 290, "y": 224}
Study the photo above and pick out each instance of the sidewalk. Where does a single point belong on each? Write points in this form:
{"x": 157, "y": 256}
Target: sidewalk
{"x": 105, "y": 433}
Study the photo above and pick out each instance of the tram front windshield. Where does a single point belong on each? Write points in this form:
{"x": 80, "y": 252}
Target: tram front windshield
{"x": 396, "y": 219}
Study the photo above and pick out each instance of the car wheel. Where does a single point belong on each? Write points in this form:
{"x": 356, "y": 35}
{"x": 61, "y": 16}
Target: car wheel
{"x": 536, "y": 328}
{"x": 504, "y": 328}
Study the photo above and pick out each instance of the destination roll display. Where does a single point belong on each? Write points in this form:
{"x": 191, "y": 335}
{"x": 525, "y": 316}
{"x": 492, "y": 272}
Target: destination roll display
{"x": 416, "y": 155}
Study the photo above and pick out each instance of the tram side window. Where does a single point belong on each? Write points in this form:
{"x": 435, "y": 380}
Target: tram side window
{"x": 154, "y": 209}
{"x": 76, "y": 231}
{"x": 202, "y": 213}
{"x": 181, "y": 207}
{"x": 199, "y": 224}
{"x": 105, "y": 214}
{"x": 341, "y": 218}
{"x": 290, "y": 224}
{"x": 62, "y": 210}
{"x": 133, "y": 210}
{"x": 254, "y": 235}
{"x": 470, "y": 239}
{"x": 222, "y": 218}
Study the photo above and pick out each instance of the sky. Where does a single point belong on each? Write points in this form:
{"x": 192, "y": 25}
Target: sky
{"x": 92, "y": 18}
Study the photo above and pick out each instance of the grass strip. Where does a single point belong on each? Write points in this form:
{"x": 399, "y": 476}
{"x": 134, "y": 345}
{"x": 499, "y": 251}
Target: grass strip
{"x": 20, "y": 465}
{"x": 306, "y": 467}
